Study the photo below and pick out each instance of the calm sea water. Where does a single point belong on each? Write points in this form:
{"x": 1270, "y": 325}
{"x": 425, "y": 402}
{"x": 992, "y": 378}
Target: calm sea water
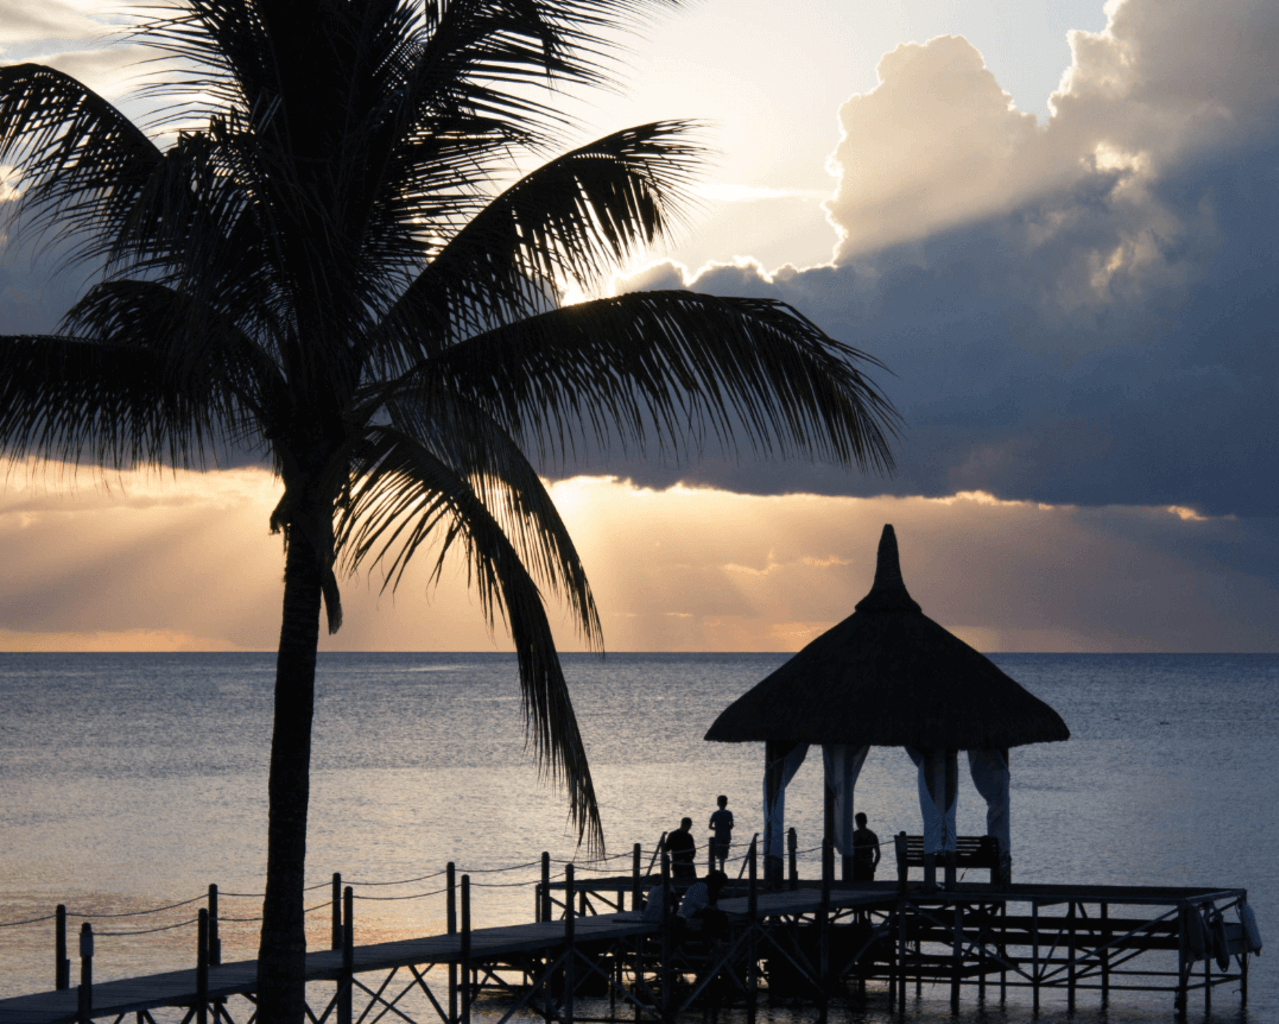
{"x": 129, "y": 782}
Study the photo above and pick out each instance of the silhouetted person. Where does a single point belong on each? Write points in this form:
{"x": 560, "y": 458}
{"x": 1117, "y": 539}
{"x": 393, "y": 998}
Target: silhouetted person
{"x": 682, "y": 847}
{"x": 722, "y": 825}
{"x": 700, "y": 910}
{"x": 865, "y": 851}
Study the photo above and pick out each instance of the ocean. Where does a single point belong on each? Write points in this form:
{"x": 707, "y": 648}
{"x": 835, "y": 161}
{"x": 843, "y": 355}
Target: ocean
{"x": 130, "y": 782}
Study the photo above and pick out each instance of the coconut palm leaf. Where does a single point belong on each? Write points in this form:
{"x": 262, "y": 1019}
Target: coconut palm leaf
{"x": 681, "y": 367}
{"x": 403, "y": 489}
{"x": 567, "y": 221}
{"x": 78, "y": 159}
{"x": 382, "y": 523}
{"x": 73, "y": 400}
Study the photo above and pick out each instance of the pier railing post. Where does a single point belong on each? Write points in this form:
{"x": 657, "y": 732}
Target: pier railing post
{"x": 792, "y": 856}
{"x": 61, "y": 964}
{"x": 752, "y": 908}
{"x": 450, "y": 917}
{"x": 823, "y": 925}
{"x": 215, "y": 942}
{"x": 466, "y": 949}
{"x": 668, "y": 916}
{"x": 202, "y": 967}
{"x": 570, "y": 937}
{"x": 346, "y": 984}
{"x": 636, "y": 856}
{"x": 84, "y": 995}
{"x": 335, "y": 936}
{"x": 546, "y": 887}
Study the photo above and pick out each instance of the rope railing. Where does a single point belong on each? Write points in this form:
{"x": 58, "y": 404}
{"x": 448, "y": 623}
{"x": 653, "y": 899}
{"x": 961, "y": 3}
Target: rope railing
{"x": 411, "y": 896}
{"x": 149, "y": 931}
{"x": 598, "y": 865}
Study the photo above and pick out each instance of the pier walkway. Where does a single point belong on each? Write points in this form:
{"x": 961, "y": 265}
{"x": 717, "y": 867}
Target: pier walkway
{"x": 812, "y": 941}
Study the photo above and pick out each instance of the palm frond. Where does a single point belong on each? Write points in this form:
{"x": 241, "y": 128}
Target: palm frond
{"x": 682, "y": 367}
{"x": 466, "y": 439}
{"x": 569, "y": 221}
{"x": 75, "y": 400}
{"x": 79, "y": 160}
{"x": 405, "y": 497}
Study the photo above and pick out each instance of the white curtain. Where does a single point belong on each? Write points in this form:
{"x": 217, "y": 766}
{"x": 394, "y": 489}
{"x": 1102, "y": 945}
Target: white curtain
{"x": 775, "y": 812}
{"x": 989, "y": 770}
{"x": 937, "y": 791}
{"x": 843, "y": 765}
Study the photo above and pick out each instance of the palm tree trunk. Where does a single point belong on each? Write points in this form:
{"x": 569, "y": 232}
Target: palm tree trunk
{"x": 282, "y": 951}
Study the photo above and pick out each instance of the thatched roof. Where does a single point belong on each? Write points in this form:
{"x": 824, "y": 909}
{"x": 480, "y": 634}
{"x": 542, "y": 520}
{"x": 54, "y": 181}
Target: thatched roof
{"x": 890, "y": 676}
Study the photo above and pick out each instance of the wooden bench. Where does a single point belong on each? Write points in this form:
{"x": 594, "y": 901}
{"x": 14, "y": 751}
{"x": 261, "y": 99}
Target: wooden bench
{"x": 969, "y": 852}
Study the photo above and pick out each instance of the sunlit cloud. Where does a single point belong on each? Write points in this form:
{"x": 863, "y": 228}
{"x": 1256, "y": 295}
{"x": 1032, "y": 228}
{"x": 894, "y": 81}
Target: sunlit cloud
{"x": 723, "y": 192}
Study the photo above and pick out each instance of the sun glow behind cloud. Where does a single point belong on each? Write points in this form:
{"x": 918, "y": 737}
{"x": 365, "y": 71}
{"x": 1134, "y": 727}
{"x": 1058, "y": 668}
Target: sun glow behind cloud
{"x": 185, "y": 562}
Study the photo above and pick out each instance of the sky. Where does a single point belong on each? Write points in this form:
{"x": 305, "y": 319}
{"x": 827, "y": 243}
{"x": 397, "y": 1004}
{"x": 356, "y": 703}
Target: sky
{"x": 1055, "y": 226}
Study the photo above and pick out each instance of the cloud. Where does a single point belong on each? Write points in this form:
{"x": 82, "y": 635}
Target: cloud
{"x": 938, "y": 143}
{"x": 24, "y": 22}
{"x": 1091, "y": 319}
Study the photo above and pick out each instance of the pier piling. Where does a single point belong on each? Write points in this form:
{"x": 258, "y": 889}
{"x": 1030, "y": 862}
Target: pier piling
{"x": 61, "y": 963}
{"x": 84, "y": 996}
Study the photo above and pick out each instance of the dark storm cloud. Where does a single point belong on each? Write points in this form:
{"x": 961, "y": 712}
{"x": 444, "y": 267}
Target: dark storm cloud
{"x": 1019, "y": 377}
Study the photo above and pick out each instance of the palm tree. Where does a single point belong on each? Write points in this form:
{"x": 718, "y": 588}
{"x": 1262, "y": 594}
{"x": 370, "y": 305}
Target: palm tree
{"x": 316, "y": 250}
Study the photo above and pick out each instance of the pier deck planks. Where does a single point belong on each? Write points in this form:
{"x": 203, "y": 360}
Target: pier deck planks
{"x": 177, "y": 988}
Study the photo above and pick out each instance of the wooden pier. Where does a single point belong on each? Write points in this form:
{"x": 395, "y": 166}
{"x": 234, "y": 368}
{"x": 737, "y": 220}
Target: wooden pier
{"x": 590, "y": 956}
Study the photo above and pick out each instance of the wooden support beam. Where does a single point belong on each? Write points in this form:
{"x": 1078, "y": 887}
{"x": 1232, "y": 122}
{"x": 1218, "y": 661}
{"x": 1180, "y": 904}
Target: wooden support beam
{"x": 202, "y": 967}
{"x": 450, "y": 923}
{"x": 61, "y": 963}
{"x": 346, "y": 983}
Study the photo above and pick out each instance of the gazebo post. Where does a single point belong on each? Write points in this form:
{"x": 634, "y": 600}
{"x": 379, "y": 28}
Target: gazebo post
{"x": 952, "y": 787}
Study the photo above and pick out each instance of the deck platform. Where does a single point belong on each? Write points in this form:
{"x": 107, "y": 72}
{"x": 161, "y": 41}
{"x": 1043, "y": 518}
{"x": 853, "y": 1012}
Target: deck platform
{"x": 812, "y": 941}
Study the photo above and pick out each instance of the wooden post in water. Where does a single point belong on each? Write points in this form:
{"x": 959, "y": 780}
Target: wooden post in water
{"x": 84, "y": 995}
{"x": 215, "y": 943}
{"x": 61, "y": 964}
{"x": 901, "y": 953}
{"x": 346, "y": 983}
{"x": 956, "y": 956}
{"x": 1208, "y": 982}
{"x": 752, "y": 908}
{"x": 466, "y": 949}
{"x": 636, "y": 856}
{"x": 1003, "y": 952}
{"x": 450, "y": 918}
{"x": 1070, "y": 957}
{"x": 1183, "y": 964}
{"x": 1105, "y": 955}
{"x": 1034, "y": 955}
{"x": 335, "y": 936}
{"x": 202, "y": 967}
{"x": 792, "y": 851}
{"x": 570, "y": 937}
{"x": 823, "y": 929}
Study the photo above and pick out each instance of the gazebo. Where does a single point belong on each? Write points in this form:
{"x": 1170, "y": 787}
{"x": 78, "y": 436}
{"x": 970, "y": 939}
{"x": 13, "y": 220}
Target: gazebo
{"x": 889, "y": 676}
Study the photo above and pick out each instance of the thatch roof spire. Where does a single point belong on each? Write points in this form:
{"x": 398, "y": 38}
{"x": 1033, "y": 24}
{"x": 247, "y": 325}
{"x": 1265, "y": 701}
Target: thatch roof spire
{"x": 888, "y": 592}
{"x": 888, "y": 675}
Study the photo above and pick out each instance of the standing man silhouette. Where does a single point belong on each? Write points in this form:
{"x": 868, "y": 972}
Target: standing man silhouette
{"x": 865, "y": 851}
{"x": 721, "y": 824}
{"x": 682, "y": 847}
